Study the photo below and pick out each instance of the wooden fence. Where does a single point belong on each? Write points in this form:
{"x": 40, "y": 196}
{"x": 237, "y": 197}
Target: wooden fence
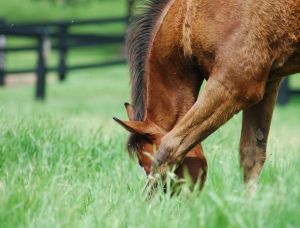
{"x": 62, "y": 39}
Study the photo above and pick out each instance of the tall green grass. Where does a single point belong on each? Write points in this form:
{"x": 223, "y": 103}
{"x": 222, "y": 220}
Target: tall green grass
{"x": 63, "y": 164}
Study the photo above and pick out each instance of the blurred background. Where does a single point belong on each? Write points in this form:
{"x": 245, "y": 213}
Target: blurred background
{"x": 67, "y": 53}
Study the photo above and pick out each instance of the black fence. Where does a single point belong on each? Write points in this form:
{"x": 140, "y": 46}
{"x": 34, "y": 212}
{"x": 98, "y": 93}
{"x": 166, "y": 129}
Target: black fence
{"x": 286, "y": 92}
{"x": 62, "y": 40}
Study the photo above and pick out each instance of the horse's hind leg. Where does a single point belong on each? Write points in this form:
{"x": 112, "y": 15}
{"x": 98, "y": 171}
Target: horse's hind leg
{"x": 255, "y": 131}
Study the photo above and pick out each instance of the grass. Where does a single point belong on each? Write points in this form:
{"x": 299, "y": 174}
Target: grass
{"x": 63, "y": 164}
{"x": 43, "y": 10}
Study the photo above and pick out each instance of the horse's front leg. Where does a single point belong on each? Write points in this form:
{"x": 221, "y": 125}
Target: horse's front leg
{"x": 222, "y": 97}
{"x": 255, "y": 131}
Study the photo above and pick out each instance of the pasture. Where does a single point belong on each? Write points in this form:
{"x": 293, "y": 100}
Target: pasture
{"x": 63, "y": 164}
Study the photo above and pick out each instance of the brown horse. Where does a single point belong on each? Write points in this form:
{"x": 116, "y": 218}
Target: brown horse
{"x": 152, "y": 115}
{"x": 242, "y": 48}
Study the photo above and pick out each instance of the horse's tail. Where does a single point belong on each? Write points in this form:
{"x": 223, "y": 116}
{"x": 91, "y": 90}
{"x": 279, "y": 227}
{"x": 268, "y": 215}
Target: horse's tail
{"x": 138, "y": 40}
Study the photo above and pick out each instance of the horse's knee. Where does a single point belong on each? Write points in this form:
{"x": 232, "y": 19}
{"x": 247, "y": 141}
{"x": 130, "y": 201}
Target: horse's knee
{"x": 248, "y": 154}
{"x": 167, "y": 151}
{"x": 247, "y": 157}
{"x": 252, "y": 160}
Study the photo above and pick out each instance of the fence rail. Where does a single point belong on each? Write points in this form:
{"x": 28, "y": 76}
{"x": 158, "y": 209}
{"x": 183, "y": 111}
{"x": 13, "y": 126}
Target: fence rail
{"x": 62, "y": 40}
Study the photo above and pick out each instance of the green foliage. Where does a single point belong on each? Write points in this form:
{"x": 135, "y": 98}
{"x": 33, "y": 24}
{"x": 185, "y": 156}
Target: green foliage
{"x": 63, "y": 164}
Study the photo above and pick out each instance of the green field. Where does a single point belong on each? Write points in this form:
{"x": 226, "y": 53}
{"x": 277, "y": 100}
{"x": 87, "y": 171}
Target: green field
{"x": 63, "y": 164}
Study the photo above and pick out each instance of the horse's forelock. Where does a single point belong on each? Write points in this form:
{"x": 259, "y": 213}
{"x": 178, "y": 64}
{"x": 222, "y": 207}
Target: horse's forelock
{"x": 134, "y": 143}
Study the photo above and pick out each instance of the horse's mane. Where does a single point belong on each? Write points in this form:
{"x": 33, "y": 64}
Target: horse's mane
{"x": 138, "y": 42}
{"x": 138, "y": 39}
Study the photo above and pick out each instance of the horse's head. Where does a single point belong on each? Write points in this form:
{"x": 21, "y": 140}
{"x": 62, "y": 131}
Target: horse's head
{"x": 145, "y": 137}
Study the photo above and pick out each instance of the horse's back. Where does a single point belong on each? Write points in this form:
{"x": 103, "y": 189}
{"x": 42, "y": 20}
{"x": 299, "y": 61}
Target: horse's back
{"x": 200, "y": 29}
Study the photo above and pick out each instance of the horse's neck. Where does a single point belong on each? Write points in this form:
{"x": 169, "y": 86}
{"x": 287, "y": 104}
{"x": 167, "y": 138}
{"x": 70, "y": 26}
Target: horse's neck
{"x": 171, "y": 85}
{"x": 171, "y": 92}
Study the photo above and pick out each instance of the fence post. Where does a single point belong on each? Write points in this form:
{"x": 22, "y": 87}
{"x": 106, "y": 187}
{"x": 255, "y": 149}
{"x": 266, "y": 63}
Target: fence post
{"x": 284, "y": 92}
{"x": 130, "y": 4}
{"x": 41, "y": 70}
{"x": 2, "y": 55}
{"x": 63, "y": 49}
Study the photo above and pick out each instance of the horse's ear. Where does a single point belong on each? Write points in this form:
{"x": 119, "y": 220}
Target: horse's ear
{"x": 148, "y": 129}
{"x": 129, "y": 110}
{"x": 132, "y": 126}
